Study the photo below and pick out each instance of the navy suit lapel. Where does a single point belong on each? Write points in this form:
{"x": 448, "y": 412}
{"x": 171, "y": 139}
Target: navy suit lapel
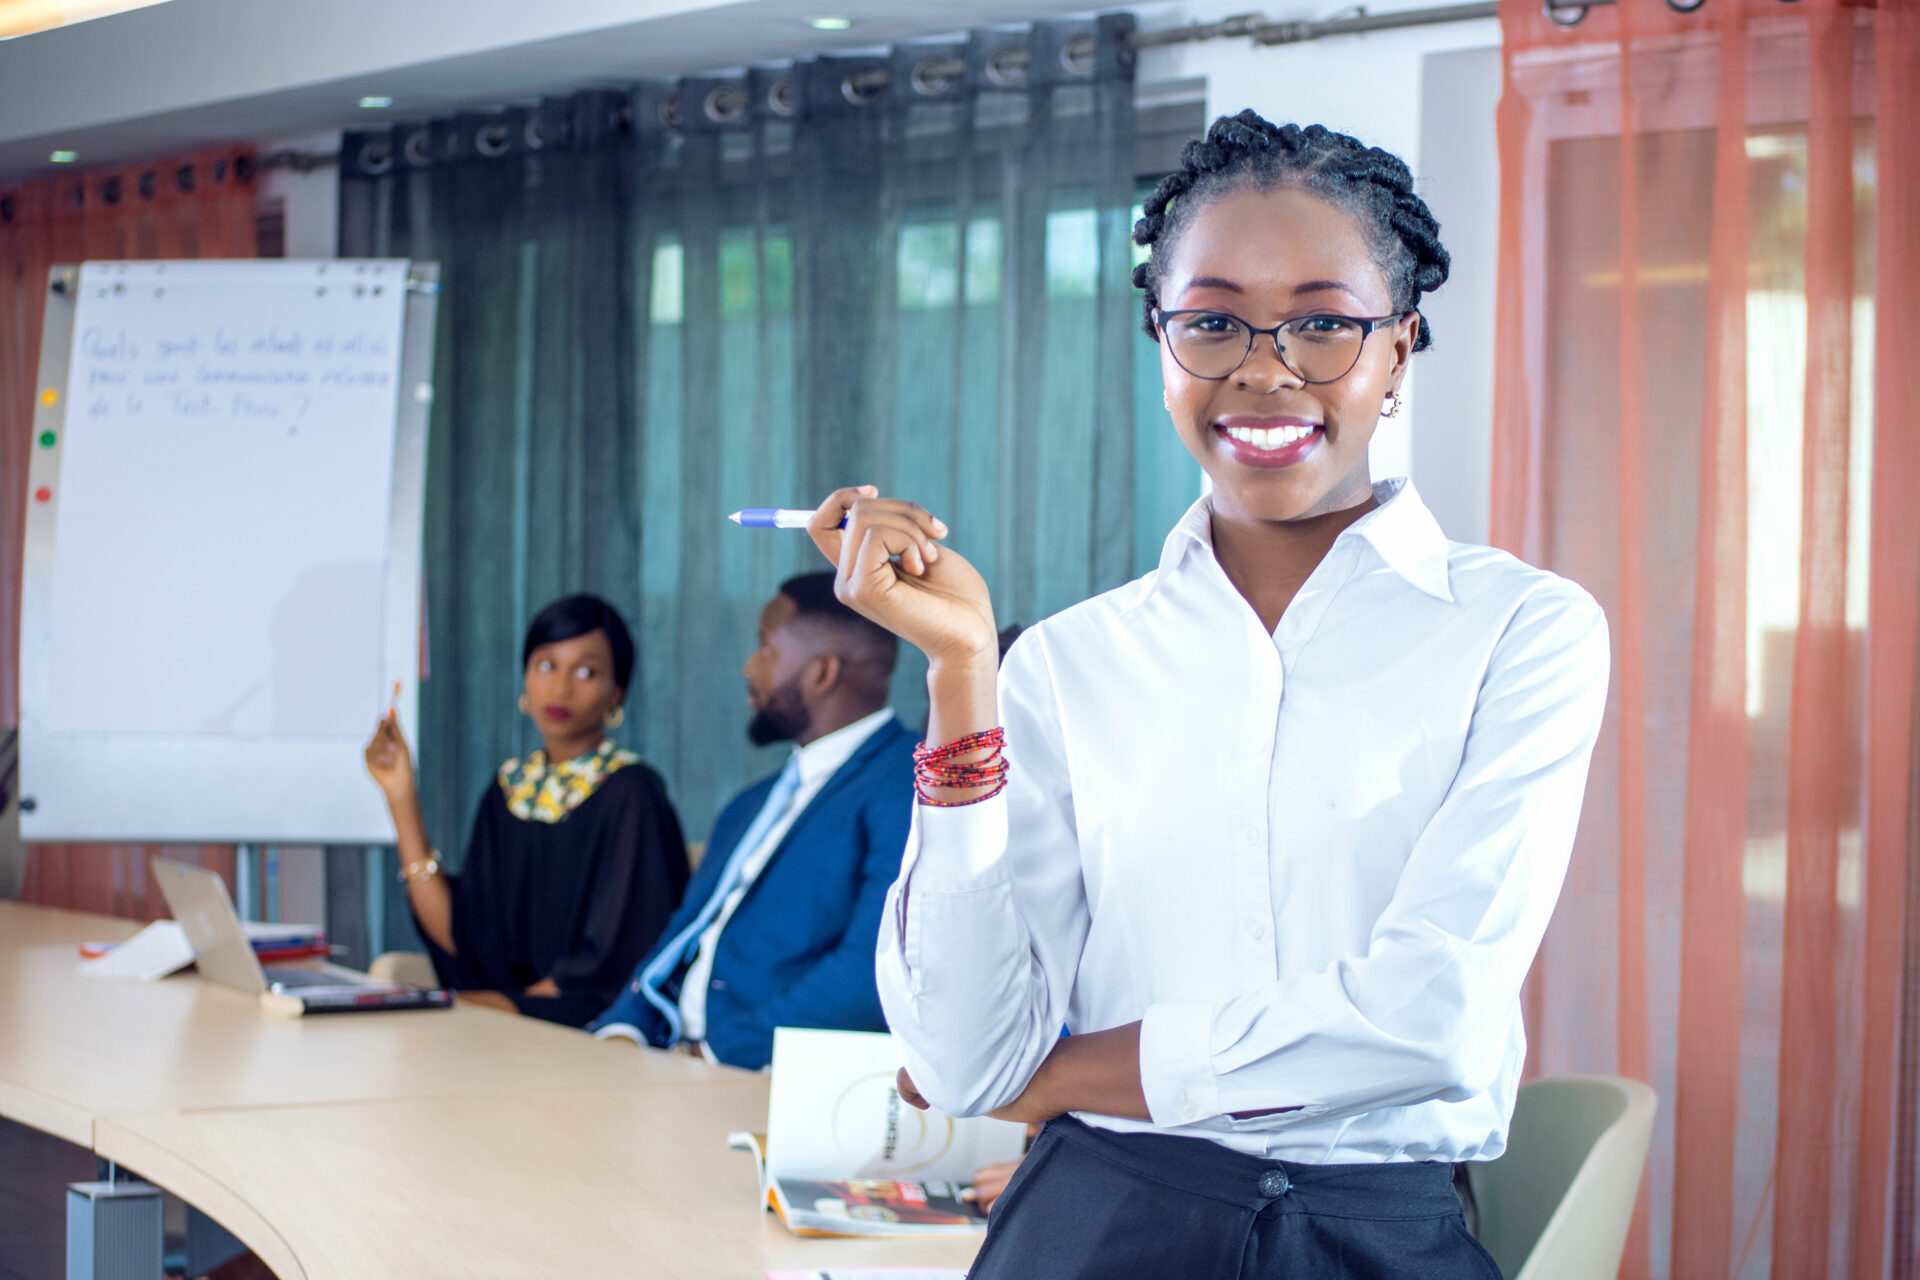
{"x": 733, "y": 823}
{"x": 845, "y": 776}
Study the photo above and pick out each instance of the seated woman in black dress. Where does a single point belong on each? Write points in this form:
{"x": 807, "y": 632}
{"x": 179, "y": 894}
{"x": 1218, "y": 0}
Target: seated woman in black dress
{"x": 576, "y": 859}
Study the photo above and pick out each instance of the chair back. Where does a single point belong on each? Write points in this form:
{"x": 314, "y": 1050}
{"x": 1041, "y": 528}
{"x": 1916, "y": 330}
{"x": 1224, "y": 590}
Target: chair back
{"x": 1556, "y": 1204}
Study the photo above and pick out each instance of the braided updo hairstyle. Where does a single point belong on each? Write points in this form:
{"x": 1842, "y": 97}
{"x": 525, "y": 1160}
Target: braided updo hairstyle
{"x": 1371, "y": 186}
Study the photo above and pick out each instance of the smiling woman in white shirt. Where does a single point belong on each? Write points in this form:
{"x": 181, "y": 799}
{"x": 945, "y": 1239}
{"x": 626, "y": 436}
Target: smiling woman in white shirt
{"x": 1274, "y": 831}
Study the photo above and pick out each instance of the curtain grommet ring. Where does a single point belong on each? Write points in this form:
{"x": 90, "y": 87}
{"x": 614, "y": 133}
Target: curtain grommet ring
{"x": 1685, "y": 6}
{"x": 725, "y": 104}
{"x": 493, "y": 140}
{"x": 243, "y": 169}
{"x": 932, "y": 77}
{"x": 1007, "y": 66}
{"x": 860, "y": 88}
{"x": 148, "y": 185}
{"x": 669, "y": 111}
{"x": 783, "y": 98}
{"x": 375, "y": 158}
{"x": 532, "y": 134}
{"x": 418, "y": 149}
{"x": 1564, "y": 16}
{"x": 186, "y": 179}
{"x": 1078, "y": 55}
{"x": 110, "y": 191}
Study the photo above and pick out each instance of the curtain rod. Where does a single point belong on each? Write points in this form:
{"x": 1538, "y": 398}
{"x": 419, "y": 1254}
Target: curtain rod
{"x": 298, "y": 161}
{"x": 1007, "y": 66}
{"x": 1255, "y": 27}
{"x": 1357, "y": 21}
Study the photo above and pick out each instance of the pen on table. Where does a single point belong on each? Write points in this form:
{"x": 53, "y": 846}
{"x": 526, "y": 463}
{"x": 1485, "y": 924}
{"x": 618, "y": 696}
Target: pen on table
{"x": 774, "y": 518}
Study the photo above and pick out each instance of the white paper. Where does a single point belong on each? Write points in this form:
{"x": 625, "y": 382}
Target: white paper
{"x": 162, "y": 948}
{"x": 156, "y": 951}
{"x": 835, "y": 1113}
{"x": 223, "y": 513}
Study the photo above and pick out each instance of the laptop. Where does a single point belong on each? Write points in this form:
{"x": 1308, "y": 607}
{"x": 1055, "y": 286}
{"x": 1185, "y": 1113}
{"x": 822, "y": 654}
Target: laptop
{"x": 198, "y": 900}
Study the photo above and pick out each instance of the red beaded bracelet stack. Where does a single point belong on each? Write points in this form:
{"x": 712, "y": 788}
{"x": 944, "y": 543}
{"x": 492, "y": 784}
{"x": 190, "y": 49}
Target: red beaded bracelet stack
{"x": 936, "y": 767}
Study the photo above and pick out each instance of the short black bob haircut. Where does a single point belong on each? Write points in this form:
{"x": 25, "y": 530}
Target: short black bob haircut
{"x": 574, "y": 616}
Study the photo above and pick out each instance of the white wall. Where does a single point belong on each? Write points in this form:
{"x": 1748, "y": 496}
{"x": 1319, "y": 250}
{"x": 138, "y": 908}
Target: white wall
{"x": 1371, "y": 86}
{"x": 310, "y": 200}
{"x": 1460, "y": 165}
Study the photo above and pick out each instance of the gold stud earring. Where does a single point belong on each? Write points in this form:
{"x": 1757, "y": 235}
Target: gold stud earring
{"x": 616, "y": 717}
{"x": 1393, "y": 405}
{"x": 525, "y": 710}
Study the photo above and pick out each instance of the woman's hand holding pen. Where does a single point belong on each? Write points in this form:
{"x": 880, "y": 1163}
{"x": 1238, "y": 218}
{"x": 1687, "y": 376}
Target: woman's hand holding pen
{"x": 391, "y": 764}
{"x": 893, "y": 570}
{"x": 389, "y": 761}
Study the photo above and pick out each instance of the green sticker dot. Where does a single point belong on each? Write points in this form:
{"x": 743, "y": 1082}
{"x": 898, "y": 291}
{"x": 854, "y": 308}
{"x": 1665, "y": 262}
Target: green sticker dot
{"x": 46, "y": 439}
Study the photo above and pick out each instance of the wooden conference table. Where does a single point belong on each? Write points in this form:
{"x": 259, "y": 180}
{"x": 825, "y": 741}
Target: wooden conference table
{"x": 466, "y": 1143}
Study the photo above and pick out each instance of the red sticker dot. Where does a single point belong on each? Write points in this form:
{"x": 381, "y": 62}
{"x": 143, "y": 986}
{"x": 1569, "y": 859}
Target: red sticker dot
{"x": 43, "y": 495}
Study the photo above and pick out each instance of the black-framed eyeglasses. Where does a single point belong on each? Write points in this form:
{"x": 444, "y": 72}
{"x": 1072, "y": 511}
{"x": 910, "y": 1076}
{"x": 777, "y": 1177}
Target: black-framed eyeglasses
{"x": 1316, "y": 349}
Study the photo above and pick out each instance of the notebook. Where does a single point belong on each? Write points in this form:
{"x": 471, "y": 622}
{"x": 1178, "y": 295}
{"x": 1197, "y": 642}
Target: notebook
{"x": 843, "y": 1155}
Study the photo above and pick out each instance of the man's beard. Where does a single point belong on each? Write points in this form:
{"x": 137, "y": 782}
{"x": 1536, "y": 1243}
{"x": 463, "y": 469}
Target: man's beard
{"x": 783, "y": 717}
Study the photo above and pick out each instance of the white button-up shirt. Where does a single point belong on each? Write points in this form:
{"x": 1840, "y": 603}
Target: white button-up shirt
{"x": 1314, "y": 865}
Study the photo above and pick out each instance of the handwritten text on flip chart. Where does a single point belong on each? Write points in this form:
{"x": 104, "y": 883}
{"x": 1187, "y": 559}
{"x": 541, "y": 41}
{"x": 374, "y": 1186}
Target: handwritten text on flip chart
{"x": 223, "y": 495}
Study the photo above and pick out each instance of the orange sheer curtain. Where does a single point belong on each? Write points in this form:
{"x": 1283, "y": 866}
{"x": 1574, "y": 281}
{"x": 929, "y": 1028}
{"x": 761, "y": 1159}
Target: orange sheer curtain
{"x": 1707, "y": 410}
{"x": 192, "y": 206}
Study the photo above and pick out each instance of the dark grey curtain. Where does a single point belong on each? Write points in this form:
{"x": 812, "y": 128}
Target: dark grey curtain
{"x": 663, "y": 304}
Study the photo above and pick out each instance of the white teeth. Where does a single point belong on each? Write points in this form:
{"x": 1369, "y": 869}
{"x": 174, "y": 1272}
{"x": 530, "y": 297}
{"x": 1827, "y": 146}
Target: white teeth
{"x": 1269, "y": 437}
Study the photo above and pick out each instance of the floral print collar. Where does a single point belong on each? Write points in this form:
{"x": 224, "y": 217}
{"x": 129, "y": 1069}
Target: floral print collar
{"x": 539, "y": 792}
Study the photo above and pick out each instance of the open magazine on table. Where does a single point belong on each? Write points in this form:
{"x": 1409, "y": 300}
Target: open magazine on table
{"x": 843, "y": 1155}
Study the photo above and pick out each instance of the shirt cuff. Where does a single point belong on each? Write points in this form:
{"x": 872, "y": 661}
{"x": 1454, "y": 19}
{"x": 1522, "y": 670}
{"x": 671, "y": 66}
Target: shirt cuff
{"x": 957, "y": 848}
{"x": 1176, "y": 1064}
{"x": 619, "y": 1031}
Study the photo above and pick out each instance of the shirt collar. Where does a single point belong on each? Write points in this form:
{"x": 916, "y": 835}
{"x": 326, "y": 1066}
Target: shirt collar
{"x": 822, "y": 757}
{"x": 1399, "y": 528}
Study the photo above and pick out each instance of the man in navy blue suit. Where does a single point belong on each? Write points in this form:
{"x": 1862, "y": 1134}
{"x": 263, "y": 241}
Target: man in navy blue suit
{"x": 779, "y": 925}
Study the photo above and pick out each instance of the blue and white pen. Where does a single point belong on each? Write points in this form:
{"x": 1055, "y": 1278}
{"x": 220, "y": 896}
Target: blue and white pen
{"x": 774, "y": 518}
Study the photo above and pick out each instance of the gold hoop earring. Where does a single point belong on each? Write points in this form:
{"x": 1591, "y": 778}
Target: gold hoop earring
{"x": 1393, "y": 405}
{"x": 525, "y": 710}
{"x": 616, "y": 717}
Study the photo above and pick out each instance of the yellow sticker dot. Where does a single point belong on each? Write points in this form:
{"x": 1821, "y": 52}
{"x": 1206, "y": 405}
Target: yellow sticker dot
{"x": 49, "y": 397}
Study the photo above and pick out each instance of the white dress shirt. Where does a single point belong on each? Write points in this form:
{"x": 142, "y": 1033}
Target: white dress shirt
{"x": 818, "y": 761}
{"x": 1314, "y": 865}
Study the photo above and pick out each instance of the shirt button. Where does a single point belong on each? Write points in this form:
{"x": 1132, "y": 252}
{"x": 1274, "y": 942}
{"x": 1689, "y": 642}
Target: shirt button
{"x": 1246, "y": 839}
{"x": 1275, "y": 1183}
{"x": 1256, "y": 930}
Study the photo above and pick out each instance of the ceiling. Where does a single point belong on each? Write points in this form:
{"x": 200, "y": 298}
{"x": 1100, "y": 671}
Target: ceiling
{"x": 193, "y": 72}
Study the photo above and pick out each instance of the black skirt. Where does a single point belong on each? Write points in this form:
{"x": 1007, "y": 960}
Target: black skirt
{"x": 1092, "y": 1203}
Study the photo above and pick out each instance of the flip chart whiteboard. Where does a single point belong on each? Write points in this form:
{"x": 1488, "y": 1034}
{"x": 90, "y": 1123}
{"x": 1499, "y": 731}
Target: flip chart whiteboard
{"x": 221, "y": 577}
